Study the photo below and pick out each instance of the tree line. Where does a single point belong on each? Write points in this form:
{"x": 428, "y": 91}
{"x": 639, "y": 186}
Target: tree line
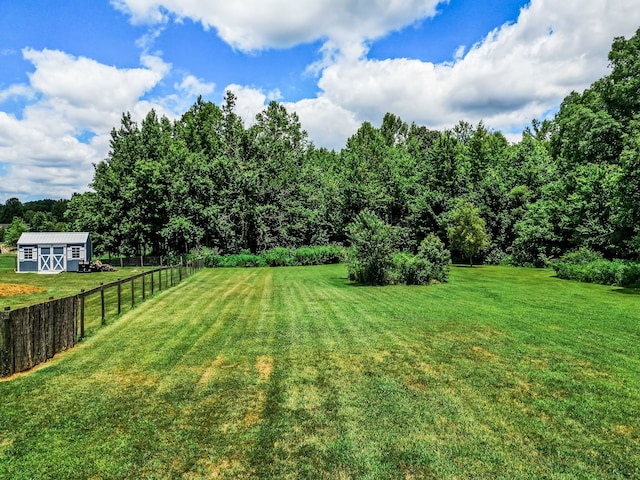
{"x": 38, "y": 216}
{"x": 206, "y": 180}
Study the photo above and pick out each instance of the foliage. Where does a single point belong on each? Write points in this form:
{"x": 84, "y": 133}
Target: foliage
{"x": 430, "y": 264}
{"x": 433, "y": 252}
{"x": 277, "y": 257}
{"x": 467, "y": 229}
{"x": 585, "y": 265}
{"x": 537, "y": 239}
{"x": 371, "y": 249}
{"x": 373, "y": 260}
{"x": 17, "y": 228}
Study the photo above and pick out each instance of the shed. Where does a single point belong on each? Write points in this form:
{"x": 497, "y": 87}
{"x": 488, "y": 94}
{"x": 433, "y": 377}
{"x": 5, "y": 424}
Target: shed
{"x": 53, "y": 252}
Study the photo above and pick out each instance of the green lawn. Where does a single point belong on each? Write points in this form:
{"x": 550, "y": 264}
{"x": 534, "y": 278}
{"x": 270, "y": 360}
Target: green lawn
{"x": 296, "y": 373}
{"x": 7, "y": 261}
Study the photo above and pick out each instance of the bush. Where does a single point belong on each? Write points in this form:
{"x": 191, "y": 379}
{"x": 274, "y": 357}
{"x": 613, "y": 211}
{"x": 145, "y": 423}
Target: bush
{"x": 243, "y": 259}
{"x": 318, "y": 255}
{"x": 433, "y": 252}
{"x": 371, "y": 253}
{"x": 585, "y": 265}
{"x": 495, "y": 256}
{"x": 278, "y": 257}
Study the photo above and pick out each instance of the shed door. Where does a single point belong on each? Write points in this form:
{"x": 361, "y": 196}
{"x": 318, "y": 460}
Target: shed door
{"x": 51, "y": 259}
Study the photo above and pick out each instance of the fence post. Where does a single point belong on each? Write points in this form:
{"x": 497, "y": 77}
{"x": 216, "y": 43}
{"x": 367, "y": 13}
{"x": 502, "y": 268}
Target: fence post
{"x": 152, "y": 283}
{"x": 104, "y": 321}
{"x": 119, "y": 297}
{"x": 144, "y": 275}
{"x": 81, "y": 314}
{"x": 133, "y": 293}
{"x": 159, "y": 280}
{"x": 7, "y": 366}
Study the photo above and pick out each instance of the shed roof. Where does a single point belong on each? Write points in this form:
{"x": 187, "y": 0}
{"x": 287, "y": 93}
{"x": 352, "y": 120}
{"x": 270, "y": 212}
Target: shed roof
{"x": 39, "y": 238}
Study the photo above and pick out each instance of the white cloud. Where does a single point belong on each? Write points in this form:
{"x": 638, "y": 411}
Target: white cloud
{"x": 16, "y": 91}
{"x": 40, "y": 153}
{"x": 258, "y": 24}
{"x": 516, "y": 73}
{"x": 193, "y": 86}
{"x": 327, "y": 123}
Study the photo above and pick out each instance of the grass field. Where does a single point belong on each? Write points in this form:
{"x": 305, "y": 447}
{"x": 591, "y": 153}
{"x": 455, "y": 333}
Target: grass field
{"x": 7, "y": 261}
{"x": 296, "y": 373}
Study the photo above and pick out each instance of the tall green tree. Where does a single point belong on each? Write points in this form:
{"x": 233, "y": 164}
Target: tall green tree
{"x": 13, "y": 232}
{"x": 467, "y": 229}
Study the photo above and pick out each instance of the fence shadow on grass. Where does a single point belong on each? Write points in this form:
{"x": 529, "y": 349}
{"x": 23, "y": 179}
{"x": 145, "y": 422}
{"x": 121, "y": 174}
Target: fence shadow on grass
{"x": 32, "y": 335}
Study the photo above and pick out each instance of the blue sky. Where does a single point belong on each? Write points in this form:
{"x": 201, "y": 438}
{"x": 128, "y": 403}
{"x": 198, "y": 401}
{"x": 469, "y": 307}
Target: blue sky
{"x": 68, "y": 69}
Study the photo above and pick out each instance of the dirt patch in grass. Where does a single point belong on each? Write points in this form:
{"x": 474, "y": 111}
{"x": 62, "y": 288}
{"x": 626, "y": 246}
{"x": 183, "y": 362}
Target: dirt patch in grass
{"x": 211, "y": 370}
{"x": 11, "y": 289}
{"x": 264, "y": 365}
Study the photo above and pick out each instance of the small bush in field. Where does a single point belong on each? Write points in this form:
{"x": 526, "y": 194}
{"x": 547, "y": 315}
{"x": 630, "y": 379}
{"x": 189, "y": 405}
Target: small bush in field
{"x": 371, "y": 251}
{"x": 373, "y": 262}
{"x": 430, "y": 264}
{"x": 433, "y": 252}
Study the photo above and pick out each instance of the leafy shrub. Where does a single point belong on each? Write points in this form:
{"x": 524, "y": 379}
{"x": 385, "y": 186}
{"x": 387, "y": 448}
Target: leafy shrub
{"x": 581, "y": 256}
{"x": 278, "y": 257}
{"x": 495, "y": 256}
{"x": 401, "y": 269}
{"x": 585, "y": 265}
{"x": 318, "y": 255}
{"x": 242, "y": 259}
{"x": 371, "y": 252}
{"x": 433, "y": 252}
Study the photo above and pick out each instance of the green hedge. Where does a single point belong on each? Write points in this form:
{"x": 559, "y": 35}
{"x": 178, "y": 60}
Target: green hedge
{"x": 277, "y": 257}
{"x": 587, "y": 266}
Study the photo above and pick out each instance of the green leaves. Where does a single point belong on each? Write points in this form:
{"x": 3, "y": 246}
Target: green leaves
{"x": 467, "y": 229}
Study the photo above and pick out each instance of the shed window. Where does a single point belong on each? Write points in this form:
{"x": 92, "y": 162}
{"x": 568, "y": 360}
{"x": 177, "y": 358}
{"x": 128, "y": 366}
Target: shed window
{"x": 28, "y": 253}
{"x": 75, "y": 252}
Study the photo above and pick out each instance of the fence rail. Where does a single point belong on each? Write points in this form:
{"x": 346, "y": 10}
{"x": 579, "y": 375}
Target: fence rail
{"x": 32, "y": 335}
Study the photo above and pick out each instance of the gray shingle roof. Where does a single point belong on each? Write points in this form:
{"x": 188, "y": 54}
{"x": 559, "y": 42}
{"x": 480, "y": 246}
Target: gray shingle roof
{"x": 52, "y": 238}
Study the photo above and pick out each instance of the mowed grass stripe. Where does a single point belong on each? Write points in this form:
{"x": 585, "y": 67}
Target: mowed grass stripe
{"x": 297, "y": 373}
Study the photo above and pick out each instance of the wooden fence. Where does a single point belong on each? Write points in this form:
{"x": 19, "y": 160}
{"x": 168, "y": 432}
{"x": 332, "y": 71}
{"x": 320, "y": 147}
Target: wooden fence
{"x": 32, "y": 335}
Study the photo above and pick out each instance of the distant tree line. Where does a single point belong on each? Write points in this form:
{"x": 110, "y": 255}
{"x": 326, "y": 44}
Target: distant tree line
{"x": 37, "y": 216}
{"x": 206, "y": 180}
